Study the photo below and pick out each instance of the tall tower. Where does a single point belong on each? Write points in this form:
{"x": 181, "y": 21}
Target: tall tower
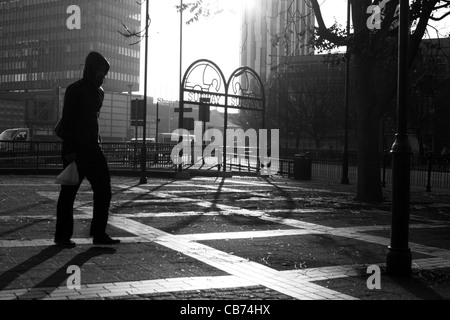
{"x": 43, "y": 47}
{"x": 273, "y": 30}
{"x": 43, "y": 43}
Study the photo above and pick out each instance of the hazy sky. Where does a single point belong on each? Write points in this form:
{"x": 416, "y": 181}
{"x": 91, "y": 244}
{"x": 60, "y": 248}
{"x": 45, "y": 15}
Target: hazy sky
{"x": 216, "y": 38}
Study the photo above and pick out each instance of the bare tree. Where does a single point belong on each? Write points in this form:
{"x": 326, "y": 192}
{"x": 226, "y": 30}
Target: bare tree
{"x": 427, "y": 84}
{"x": 196, "y": 10}
{"x": 306, "y": 102}
{"x": 315, "y": 107}
{"x": 374, "y": 53}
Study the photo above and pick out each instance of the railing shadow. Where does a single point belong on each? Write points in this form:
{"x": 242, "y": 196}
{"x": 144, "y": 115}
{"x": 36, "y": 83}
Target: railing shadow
{"x": 59, "y": 277}
{"x": 417, "y": 287}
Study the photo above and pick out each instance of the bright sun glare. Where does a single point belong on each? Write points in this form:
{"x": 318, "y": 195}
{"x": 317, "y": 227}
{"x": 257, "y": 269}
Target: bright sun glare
{"x": 216, "y": 38}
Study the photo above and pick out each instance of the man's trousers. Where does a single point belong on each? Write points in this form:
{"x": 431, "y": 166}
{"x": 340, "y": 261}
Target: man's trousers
{"x": 91, "y": 165}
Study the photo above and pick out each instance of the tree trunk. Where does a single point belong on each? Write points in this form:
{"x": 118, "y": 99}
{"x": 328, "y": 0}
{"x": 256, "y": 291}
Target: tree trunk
{"x": 317, "y": 142}
{"x": 369, "y": 173}
{"x": 369, "y": 113}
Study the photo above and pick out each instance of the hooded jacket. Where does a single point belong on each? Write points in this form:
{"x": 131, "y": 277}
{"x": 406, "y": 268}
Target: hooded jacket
{"x": 82, "y": 103}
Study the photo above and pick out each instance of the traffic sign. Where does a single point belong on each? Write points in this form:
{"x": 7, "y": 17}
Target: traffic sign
{"x": 204, "y": 113}
{"x": 137, "y": 109}
{"x": 204, "y": 107}
{"x": 188, "y": 123}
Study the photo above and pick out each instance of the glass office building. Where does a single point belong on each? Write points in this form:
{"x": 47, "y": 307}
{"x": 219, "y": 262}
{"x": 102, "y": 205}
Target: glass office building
{"x": 274, "y": 30}
{"x": 43, "y": 43}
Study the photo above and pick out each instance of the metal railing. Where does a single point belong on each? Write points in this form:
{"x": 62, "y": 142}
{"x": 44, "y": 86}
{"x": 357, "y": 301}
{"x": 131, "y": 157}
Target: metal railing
{"x": 29, "y": 155}
{"x": 125, "y": 156}
{"x": 427, "y": 171}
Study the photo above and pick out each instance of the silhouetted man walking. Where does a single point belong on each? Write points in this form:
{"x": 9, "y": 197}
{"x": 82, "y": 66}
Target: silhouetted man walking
{"x": 81, "y": 143}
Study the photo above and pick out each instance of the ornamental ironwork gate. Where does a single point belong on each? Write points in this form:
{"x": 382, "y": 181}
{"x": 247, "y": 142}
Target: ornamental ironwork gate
{"x": 205, "y": 84}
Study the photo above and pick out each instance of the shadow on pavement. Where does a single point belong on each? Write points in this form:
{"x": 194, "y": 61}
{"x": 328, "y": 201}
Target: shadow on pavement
{"x": 418, "y": 288}
{"x": 189, "y": 220}
{"x": 26, "y": 207}
{"x": 12, "y": 274}
{"x": 132, "y": 202}
{"x": 138, "y": 197}
{"x": 12, "y": 231}
{"x": 289, "y": 199}
{"x": 59, "y": 277}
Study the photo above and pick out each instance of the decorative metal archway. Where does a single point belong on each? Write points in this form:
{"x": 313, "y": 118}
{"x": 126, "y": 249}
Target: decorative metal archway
{"x": 244, "y": 90}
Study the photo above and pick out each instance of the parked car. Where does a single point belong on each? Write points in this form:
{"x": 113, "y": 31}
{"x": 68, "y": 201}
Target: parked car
{"x": 140, "y": 140}
{"x": 15, "y": 139}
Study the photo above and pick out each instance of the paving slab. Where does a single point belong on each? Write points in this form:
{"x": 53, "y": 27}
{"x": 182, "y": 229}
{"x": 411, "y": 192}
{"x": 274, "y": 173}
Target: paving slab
{"x": 217, "y": 239}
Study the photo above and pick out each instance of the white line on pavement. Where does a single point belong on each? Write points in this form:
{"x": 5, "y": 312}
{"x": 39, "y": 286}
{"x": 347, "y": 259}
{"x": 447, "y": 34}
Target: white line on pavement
{"x": 295, "y": 283}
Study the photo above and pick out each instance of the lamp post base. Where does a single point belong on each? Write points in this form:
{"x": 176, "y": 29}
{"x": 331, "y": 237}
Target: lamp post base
{"x": 398, "y": 262}
{"x": 143, "y": 180}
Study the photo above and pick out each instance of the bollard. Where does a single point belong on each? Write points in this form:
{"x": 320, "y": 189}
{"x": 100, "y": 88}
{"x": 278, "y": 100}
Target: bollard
{"x": 302, "y": 167}
{"x": 430, "y": 167}
{"x": 385, "y": 157}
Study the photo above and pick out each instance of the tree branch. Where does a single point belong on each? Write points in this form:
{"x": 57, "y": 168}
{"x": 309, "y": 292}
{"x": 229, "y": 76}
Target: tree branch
{"x": 322, "y": 30}
{"x": 428, "y": 7}
{"x": 441, "y": 17}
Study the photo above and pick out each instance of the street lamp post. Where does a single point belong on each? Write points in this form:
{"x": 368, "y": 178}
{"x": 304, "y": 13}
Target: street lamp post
{"x": 181, "y": 104}
{"x": 143, "y": 179}
{"x": 157, "y": 133}
{"x": 128, "y": 126}
{"x": 157, "y": 122}
{"x": 345, "y": 179}
{"x": 398, "y": 260}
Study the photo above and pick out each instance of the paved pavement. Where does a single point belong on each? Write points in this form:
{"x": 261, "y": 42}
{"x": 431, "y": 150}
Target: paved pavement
{"x": 209, "y": 238}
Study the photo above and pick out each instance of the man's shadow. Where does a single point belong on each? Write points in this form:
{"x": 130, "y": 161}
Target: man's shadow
{"x": 12, "y": 274}
{"x": 58, "y": 278}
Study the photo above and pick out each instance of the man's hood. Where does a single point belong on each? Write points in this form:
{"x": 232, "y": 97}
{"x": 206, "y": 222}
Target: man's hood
{"x": 94, "y": 60}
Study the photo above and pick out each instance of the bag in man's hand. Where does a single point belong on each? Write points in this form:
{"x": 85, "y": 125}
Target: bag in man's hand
{"x": 69, "y": 176}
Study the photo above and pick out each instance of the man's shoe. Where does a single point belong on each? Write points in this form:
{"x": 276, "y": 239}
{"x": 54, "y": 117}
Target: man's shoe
{"x": 65, "y": 243}
{"x": 105, "y": 239}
